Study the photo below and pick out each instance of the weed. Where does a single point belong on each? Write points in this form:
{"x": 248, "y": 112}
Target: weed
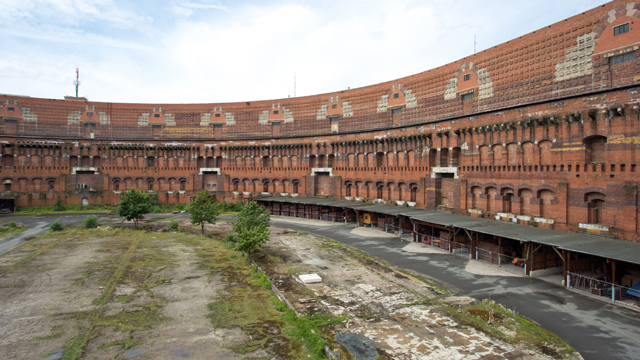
{"x": 174, "y": 225}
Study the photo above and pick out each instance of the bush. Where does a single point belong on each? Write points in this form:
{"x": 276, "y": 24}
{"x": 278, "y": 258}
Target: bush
{"x": 59, "y": 206}
{"x": 12, "y": 225}
{"x": 232, "y": 238}
{"x": 56, "y": 226}
{"x": 91, "y": 222}
{"x": 230, "y": 207}
{"x": 174, "y": 225}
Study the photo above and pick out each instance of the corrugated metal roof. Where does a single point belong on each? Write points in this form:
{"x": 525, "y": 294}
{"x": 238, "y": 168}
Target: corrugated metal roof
{"x": 621, "y": 250}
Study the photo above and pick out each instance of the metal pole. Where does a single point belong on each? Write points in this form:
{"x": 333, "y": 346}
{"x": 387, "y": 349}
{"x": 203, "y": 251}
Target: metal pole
{"x": 568, "y": 281}
{"x": 477, "y": 254}
{"x": 613, "y": 292}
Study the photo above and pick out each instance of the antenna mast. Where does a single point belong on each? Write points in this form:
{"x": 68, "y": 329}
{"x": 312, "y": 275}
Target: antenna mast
{"x": 474, "y": 44}
{"x": 77, "y": 81}
{"x": 294, "y": 84}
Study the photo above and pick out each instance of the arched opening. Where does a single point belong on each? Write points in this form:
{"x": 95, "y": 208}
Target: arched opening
{"x": 380, "y": 160}
{"x": 380, "y": 191}
{"x": 414, "y": 193}
{"x": 444, "y": 157}
{"x": 348, "y": 189}
{"x": 507, "y": 198}
{"x": 295, "y": 186}
{"x": 183, "y": 184}
{"x": 595, "y": 205}
{"x": 594, "y": 149}
{"x": 455, "y": 156}
{"x": 433, "y": 157}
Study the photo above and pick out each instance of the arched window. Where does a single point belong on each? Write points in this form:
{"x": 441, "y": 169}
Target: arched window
{"x": 295, "y": 187}
{"x": 348, "y": 189}
{"x": 183, "y": 184}
{"x": 414, "y": 193}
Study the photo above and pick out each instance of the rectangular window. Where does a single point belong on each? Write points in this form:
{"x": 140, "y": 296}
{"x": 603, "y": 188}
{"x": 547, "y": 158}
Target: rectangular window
{"x": 467, "y": 96}
{"x": 217, "y": 115}
{"x": 156, "y": 126}
{"x": 89, "y": 113}
{"x": 615, "y": 60}
{"x": 396, "y": 111}
{"x": 275, "y": 112}
{"x": 396, "y": 95}
{"x": 217, "y": 126}
{"x": 467, "y": 77}
{"x": 334, "y": 106}
{"x": 10, "y": 121}
{"x": 621, "y": 29}
{"x": 11, "y": 108}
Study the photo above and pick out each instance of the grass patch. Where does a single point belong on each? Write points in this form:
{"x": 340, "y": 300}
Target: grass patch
{"x": 134, "y": 320}
{"x": 506, "y": 325}
{"x": 126, "y": 343}
{"x": 307, "y": 328}
{"x": 248, "y": 302}
{"x": 69, "y": 209}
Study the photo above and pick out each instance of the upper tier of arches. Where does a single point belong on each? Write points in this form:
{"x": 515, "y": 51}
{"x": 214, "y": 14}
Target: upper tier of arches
{"x": 590, "y": 52}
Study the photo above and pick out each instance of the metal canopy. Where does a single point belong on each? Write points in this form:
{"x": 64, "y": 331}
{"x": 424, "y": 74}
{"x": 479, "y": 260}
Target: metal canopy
{"x": 622, "y": 250}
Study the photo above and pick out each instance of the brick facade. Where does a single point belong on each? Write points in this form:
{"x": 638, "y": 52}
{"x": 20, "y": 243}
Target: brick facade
{"x": 545, "y": 128}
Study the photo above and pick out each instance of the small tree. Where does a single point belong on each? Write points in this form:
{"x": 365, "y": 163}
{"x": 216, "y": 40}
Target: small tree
{"x": 203, "y": 210}
{"x": 133, "y": 205}
{"x": 59, "y": 206}
{"x": 56, "y": 226}
{"x": 252, "y": 227}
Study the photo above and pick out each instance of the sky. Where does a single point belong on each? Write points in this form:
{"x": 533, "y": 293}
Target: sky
{"x": 200, "y": 51}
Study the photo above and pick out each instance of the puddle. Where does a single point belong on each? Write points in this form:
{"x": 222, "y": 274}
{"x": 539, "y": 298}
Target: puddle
{"x": 134, "y": 351}
{"x": 55, "y": 356}
{"x": 359, "y": 346}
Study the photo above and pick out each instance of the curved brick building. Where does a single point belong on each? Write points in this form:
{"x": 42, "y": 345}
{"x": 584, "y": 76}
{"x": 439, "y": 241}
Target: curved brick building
{"x": 542, "y": 130}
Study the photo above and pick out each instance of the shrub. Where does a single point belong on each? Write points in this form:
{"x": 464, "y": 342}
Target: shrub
{"x": 91, "y": 222}
{"x": 59, "y": 206}
{"x": 232, "y": 238}
{"x": 252, "y": 227}
{"x": 174, "y": 225}
{"x": 12, "y": 225}
{"x": 56, "y": 226}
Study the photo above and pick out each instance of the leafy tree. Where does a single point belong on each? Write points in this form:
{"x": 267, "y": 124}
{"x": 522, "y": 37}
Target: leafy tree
{"x": 133, "y": 205}
{"x": 252, "y": 227}
{"x": 203, "y": 210}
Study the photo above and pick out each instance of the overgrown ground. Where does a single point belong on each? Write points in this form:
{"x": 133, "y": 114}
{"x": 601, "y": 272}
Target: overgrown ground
{"x": 119, "y": 293}
{"x": 116, "y": 292}
{"x": 10, "y": 228}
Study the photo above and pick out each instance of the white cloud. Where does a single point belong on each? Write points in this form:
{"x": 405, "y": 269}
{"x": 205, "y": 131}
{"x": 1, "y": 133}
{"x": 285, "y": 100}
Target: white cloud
{"x": 199, "y": 51}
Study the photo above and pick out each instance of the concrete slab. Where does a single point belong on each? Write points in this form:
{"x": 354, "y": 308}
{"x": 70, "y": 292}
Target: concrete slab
{"x": 310, "y": 278}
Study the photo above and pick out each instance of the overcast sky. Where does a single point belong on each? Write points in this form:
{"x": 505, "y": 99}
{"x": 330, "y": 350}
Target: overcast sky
{"x": 203, "y": 51}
